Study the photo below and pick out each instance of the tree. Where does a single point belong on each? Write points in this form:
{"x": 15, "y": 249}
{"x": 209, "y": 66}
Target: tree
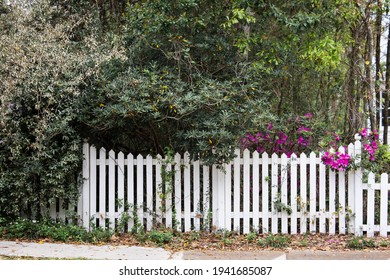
{"x": 180, "y": 74}
{"x": 43, "y": 70}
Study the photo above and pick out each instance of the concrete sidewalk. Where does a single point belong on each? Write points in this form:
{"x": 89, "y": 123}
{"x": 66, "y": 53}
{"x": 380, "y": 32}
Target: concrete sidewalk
{"x": 108, "y": 252}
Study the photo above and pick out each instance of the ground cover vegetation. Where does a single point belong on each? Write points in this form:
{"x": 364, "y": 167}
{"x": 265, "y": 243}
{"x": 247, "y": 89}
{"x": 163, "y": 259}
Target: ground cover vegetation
{"x": 150, "y": 76}
{"x": 49, "y": 231}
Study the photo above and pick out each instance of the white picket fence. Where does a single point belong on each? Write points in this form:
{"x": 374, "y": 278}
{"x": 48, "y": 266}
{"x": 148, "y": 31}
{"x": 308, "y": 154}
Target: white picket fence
{"x": 252, "y": 193}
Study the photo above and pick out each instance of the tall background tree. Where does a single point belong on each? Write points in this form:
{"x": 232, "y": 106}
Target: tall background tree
{"x": 147, "y": 76}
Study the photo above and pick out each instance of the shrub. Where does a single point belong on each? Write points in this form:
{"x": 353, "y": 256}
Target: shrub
{"x": 160, "y": 237}
{"x": 57, "y": 231}
{"x": 275, "y": 241}
{"x": 360, "y": 243}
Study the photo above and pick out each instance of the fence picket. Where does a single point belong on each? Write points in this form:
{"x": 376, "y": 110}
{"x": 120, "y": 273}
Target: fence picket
{"x": 196, "y": 195}
{"x": 159, "y": 197}
{"x": 214, "y": 196}
{"x": 303, "y": 193}
{"x": 236, "y": 172}
{"x": 384, "y": 204}
{"x": 166, "y": 197}
{"x": 130, "y": 189}
{"x": 149, "y": 192}
{"x": 187, "y": 192}
{"x": 228, "y": 196}
{"x": 313, "y": 194}
{"x": 322, "y": 198}
{"x": 274, "y": 192}
{"x": 370, "y": 204}
{"x": 341, "y": 198}
{"x": 350, "y": 208}
{"x": 140, "y": 189}
{"x": 206, "y": 197}
{"x": 246, "y": 198}
{"x": 332, "y": 200}
{"x": 178, "y": 198}
{"x": 121, "y": 184}
{"x": 294, "y": 198}
{"x": 92, "y": 184}
{"x": 111, "y": 188}
{"x": 342, "y": 205}
{"x": 102, "y": 188}
{"x": 265, "y": 193}
{"x": 255, "y": 191}
{"x": 283, "y": 192}
{"x": 358, "y": 191}
{"x": 83, "y": 204}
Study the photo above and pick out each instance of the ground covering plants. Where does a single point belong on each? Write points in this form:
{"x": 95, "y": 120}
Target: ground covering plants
{"x": 51, "y": 231}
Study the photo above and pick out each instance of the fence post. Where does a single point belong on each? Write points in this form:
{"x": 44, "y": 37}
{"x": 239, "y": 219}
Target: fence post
{"x": 351, "y": 192}
{"x": 83, "y": 205}
{"x": 358, "y": 190}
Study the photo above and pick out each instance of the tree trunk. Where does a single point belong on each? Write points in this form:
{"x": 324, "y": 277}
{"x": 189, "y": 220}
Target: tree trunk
{"x": 352, "y": 123}
{"x": 386, "y": 94}
{"x": 378, "y": 35}
{"x": 368, "y": 95}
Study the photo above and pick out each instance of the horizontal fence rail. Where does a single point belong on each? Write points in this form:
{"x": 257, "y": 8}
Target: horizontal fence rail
{"x": 262, "y": 193}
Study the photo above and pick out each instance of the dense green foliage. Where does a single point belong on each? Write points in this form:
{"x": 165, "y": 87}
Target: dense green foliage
{"x": 183, "y": 75}
{"x": 48, "y": 229}
{"x": 40, "y": 146}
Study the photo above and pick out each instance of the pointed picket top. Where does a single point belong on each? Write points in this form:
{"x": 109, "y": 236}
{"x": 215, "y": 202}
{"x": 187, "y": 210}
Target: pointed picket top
{"x": 358, "y": 147}
{"x": 121, "y": 155}
{"x": 351, "y": 149}
{"x": 274, "y": 156}
{"x": 140, "y": 157}
{"x": 177, "y": 157}
{"x": 102, "y": 150}
{"x": 111, "y": 155}
{"x": 342, "y": 149}
{"x": 293, "y": 155}
{"x": 149, "y": 157}
{"x": 255, "y": 154}
{"x": 313, "y": 155}
{"x": 237, "y": 152}
{"x": 294, "y": 158}
{"x": 284, "y": 157}
{"x": 130, "y": 158}
{"x": 303, "y": 156}
{"x": 264, "y": 155}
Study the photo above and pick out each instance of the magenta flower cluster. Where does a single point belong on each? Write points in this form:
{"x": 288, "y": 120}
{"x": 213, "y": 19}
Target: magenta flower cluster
{"x": 303, "y": 136}
{"x": 297, "y": 139}
{"x": 341, "y": 161}
{"x": 336, "y": 160}
{"x": 371, "y": 142}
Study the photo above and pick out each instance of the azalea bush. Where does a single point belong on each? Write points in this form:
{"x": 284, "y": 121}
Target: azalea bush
{"x": 294, "y": 135}
{"x": 339, "y": 159}
{"x": 304, "y": 135}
